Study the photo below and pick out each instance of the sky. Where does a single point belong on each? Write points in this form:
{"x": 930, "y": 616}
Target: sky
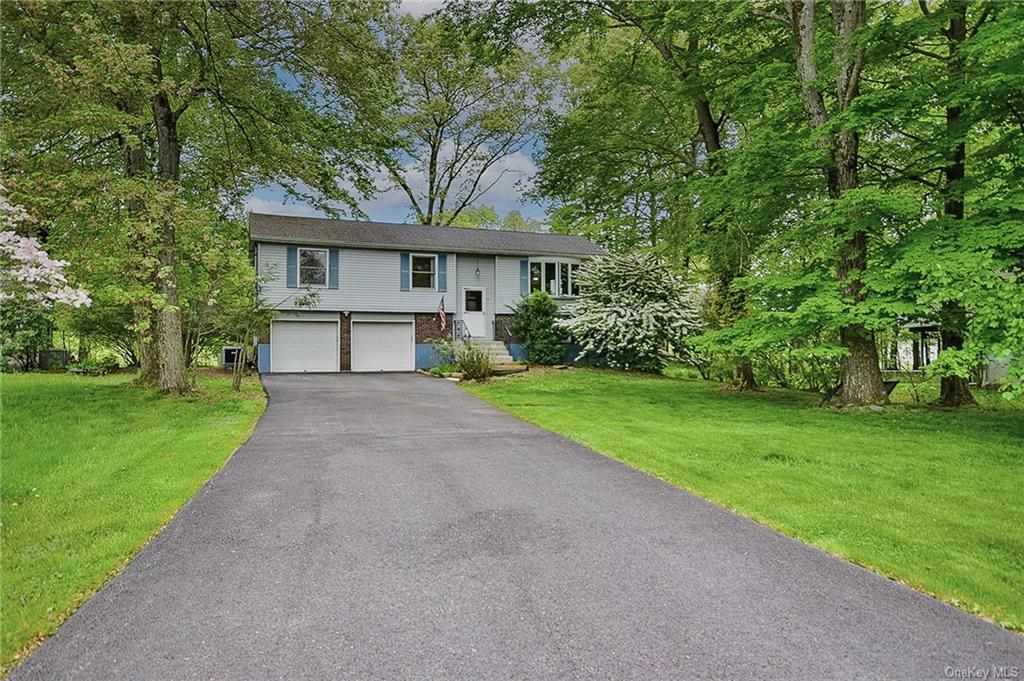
{"x": 514, "y": 176}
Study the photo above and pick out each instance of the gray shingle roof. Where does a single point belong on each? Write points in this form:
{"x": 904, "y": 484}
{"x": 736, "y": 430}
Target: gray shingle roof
{"x": 322, "y": 231}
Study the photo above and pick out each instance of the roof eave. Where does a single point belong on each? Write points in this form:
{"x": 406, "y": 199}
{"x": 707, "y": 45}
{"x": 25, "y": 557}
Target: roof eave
{"x": 411, "y": 247}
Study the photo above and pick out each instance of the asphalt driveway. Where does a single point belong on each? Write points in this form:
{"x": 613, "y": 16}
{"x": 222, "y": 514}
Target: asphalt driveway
{"x": 393, "y": 526}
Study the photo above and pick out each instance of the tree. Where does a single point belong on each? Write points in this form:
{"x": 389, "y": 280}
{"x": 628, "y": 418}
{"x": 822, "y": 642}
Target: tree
{"x": 861, "y": 375}
{"x": 28, "y": 275}
{"x": 535, "y": 322}
{"x": 459, "y": 113}
{"x": 179, "y": 109}
{"x": 689, "y": 43}
{"x": 31, "y": 284}
{"x": 632, "y": 312}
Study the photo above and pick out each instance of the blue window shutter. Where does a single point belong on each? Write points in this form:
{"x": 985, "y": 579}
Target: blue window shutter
{"x": 332, "y": 269}
{"x": 293, "y": 267}
{"x": 405, "y": 270}
{"x": 524, "y": 277}
{"x": 442, "y": 272}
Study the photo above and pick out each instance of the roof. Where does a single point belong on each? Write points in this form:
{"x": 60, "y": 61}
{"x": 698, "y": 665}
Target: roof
{"x": 390, "y": 235}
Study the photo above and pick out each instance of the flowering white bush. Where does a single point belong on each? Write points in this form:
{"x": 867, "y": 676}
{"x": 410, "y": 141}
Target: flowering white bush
{"x": 27, "y": 272}
{"x": 632, "y": 313}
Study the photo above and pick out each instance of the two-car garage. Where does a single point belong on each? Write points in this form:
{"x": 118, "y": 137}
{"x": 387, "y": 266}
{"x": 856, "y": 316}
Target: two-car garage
{"x": 376, "y": 343}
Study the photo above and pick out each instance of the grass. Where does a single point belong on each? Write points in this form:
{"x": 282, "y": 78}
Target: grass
{"x": 91, "y": 469}
{"x": 930, "y": 497}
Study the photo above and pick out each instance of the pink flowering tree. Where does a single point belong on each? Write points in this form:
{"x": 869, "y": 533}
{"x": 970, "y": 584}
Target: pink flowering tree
{"x": 27, "y": 273}
{"x": 31, "y": 284}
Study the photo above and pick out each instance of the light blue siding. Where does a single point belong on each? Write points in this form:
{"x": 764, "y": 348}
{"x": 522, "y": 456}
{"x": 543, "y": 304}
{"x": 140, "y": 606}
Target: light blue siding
{"x": 263, "y": 358}
{"x": 368, "y": 282}
{"x": 426, "y": 356}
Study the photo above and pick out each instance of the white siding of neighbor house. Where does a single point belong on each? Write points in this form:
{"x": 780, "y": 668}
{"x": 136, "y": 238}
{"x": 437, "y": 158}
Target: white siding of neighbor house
{"x": 466, "y": 277}
{"x": 369, "y": 281}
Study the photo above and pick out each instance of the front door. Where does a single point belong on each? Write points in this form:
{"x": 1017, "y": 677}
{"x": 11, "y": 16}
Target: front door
{"x": 473, "y": 312}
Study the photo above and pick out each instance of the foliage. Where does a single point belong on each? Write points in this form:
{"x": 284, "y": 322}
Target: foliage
{"x": 851, "y": 172}
{"x": 28, "y": 275}
{"x": 91, "y": 364}
{"x": 632, "y": 312}
{"x": 535, "y": 322}
{"x": 25, "y": 329}
{"x": 132, "y": 129}
{"x": 458, "y": 115}
{"x": 118, "y": 464}
{"x": 486, "y": 217}
{"x": 444, "y": 368}
{"x": 445, "y": 350}
{"x": 474, "y": 362}
{"x": 836, "y": 479}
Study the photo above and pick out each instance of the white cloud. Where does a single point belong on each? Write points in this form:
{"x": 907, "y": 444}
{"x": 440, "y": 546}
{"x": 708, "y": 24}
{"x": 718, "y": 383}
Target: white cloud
{"x": 258, "y": 204}
{"x": 508, "y": 180}
{"x": 419, "y": 8}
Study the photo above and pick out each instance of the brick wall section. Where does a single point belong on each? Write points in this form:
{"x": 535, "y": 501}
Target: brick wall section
{"x": 502, "y": 328}
{"x": 346, "y": 341}
{"x": 428, "y": 327}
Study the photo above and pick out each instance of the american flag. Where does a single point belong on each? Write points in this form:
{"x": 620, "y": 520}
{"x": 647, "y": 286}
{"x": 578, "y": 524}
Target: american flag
{"x": 441, "y": 314}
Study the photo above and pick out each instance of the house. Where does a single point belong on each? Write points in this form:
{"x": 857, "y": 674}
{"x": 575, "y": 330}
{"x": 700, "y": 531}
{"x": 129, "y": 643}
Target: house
{"x": 380, "y": 286}
{"x": 917, "y": 344}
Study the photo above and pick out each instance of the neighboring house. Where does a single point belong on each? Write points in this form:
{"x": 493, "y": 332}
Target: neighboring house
{"x": 917, "y": 345}
{"x": 380, "y": 287}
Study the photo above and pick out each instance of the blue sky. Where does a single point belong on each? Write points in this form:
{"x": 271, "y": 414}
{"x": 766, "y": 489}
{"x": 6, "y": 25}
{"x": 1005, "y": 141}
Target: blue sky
{"x": 514, "y": 176}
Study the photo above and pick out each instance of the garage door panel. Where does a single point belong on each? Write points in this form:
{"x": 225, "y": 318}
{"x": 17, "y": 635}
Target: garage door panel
{"x": 382, "y": 346}
{"x": 304, "y": 346}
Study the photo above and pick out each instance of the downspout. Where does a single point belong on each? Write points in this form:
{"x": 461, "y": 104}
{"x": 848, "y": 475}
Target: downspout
{"x": 455, "y": 289}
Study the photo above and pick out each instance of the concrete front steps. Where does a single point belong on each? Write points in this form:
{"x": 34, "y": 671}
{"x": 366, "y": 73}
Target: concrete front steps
{"x": 501, "y": 361}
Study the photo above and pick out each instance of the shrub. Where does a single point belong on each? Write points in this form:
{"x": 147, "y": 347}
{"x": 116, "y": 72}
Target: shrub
{"x": 444, "y": 350}
{"x": 632, "y": 313}
{"x": 24, "y": 332}
{"x": 535, "y": 322}
{"x": 473, "y": 361}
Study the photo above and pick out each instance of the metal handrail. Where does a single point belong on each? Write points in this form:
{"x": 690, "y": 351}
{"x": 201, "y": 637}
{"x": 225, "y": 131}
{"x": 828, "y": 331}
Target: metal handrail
{"x": 460, "y": 330}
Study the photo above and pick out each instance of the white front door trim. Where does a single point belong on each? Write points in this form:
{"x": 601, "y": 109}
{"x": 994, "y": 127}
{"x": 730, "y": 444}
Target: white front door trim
{"x": 476, "y": 322}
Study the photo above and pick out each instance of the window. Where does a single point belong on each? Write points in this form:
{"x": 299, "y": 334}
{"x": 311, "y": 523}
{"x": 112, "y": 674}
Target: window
{"x": 535, "y": 268}
{"x": 424, "y": 269}
{"x": 555, "y": 277}
{"x": 313, "y": 266}
{"x": 474, "y": 300}
{"x": 550, "y": 272}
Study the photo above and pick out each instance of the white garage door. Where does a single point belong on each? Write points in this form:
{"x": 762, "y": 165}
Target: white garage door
{"x": 383, "y": 346}
{"x": 304, "y": 346}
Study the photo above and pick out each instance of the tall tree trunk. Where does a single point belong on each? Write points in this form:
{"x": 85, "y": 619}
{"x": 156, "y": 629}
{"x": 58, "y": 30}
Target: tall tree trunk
{"x": 727, "y": 269}
{"x": 137, "y": 165}
{"x": 861, "y": 373}
{"x": 171, "y": 356}
{"x": 955, "y": 391}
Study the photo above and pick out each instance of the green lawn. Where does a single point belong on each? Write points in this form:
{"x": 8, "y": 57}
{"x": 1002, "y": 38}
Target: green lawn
{"x": 90, "y": 469}
{"x": 932, "y": 498}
